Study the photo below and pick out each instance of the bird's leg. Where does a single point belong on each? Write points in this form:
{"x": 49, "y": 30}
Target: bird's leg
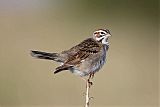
{"x": 90, "y": 77}
{"x": 88, "y": 80}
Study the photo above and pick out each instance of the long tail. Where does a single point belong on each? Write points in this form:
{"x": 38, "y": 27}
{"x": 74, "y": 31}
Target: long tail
{"x": 45, "y": 55}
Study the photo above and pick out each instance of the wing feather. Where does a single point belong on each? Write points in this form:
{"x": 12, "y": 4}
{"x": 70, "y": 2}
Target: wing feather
{"x": 82, "y": 51}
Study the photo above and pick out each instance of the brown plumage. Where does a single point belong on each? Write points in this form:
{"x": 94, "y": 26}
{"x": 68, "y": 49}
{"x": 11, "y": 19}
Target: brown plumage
{"x": 83, "y": 59}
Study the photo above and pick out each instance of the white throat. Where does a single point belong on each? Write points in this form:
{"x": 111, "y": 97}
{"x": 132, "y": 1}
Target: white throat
{"x": 104, "y": 40}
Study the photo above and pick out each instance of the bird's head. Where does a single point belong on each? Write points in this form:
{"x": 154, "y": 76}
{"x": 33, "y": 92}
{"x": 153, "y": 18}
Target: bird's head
{"x": 102, "y": 35}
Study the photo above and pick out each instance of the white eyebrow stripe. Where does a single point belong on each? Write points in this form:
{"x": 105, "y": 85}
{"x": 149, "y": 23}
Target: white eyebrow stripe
{"x": 101, "y": 31}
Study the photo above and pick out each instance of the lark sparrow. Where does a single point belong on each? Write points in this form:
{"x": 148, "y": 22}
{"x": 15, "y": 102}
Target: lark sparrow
{"x": 83, "y": 59}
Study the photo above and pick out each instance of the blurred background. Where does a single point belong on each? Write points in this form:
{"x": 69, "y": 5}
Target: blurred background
{"x": 128, "y": 79}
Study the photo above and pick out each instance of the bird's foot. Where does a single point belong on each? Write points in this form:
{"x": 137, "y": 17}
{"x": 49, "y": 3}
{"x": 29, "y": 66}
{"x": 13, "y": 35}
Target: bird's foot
{"x": 90, "y": 83}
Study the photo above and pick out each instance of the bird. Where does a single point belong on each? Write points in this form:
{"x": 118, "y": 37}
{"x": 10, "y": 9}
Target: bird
{"x": 83, "y": 59}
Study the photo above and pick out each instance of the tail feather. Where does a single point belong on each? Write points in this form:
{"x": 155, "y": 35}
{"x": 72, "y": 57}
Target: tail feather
{"x": 44, "y": 55}
{"x": 62, "y": 68}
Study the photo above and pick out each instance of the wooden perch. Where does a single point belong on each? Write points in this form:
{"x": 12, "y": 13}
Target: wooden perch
{"x": 88, "y": 85}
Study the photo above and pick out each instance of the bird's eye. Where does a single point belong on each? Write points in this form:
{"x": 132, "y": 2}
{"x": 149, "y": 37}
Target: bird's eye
{"x": 102, "y": 33}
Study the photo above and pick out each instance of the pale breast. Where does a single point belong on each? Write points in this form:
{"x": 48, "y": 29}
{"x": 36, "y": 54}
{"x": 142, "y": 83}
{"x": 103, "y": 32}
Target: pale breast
{"x": 91, "y": 64}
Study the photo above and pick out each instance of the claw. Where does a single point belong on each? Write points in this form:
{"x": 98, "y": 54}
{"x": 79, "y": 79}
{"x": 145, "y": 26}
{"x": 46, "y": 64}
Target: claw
{"x": 90, "y": 83}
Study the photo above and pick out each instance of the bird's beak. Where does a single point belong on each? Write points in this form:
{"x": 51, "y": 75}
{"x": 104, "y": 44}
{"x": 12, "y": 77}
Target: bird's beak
{"x": 108, "y": 35}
